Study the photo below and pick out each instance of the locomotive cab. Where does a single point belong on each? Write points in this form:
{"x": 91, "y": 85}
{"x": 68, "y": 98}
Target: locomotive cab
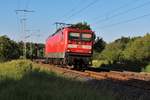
{"x": 70, "y": 46}
{"x": 80, "y": 43}
{"x": 80, "y": 48}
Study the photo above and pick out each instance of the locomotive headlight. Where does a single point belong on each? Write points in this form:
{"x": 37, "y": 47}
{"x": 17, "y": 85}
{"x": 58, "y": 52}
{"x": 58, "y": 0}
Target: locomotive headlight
{"x": 86, "y": 47}
{"x": 68, "y": 50}
{"x": 72, "y": 46}
{"x": 90, "y": 52}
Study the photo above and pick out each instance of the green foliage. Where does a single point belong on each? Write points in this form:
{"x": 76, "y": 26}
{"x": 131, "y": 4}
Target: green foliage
{"x": 128, "y": 53}
{"x": 15, "y": 69}
{"x": 99, "y": 45}
{"x": 20, "y": 44}
{"x": 82, "y": 26}
{"x": 33, "y": 50}
{"x": 24, "y": 80}
{"x": 147, "y": 68}
{"x": 9, "y": 49}
{"x": 113, "y": 51}
{"x": 99, "y": 63}
{"x": 138, "y": 50}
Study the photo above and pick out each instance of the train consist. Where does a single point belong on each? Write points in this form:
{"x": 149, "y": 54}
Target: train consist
{"x": 71, "y": 47}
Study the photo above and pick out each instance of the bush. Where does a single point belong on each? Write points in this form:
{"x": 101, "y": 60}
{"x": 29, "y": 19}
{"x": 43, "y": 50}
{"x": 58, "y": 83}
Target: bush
{"x": 138, "y": 50}
{"x": 147, "y": 68}
{"x": 15, "y": 69}
{"x": 99, "y": 63}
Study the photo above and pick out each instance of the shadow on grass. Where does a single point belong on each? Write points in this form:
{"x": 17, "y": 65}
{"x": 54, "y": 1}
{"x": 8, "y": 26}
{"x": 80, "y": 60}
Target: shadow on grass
{"x": 125, "y": 67}
{"x": 37, "y": 85}
{"x": 124, "y": 90}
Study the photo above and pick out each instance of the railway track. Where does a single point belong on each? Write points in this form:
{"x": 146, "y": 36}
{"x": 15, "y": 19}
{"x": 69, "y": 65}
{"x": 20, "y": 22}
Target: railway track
{"x": 128, "y": 79}
{"x": 132, "y": 80}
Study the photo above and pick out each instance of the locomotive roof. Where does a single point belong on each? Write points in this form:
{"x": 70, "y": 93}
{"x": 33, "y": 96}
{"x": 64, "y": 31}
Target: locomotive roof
{"x": 77, "y": 29}
{"x": 71, "y": 29}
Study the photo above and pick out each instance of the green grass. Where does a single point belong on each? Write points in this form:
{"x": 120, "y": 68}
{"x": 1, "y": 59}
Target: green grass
{"x": 24, "y": 80}
{"x": 99, "y": 63}
{"x": 121, "y": 67}
{"x": 147, "y": 68}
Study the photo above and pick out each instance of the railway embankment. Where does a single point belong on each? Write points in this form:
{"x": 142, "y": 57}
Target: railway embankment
{"x": 26, "y": 80}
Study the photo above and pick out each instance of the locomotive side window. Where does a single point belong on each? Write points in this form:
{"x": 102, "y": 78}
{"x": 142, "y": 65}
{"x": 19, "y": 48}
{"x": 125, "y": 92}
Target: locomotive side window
{"x": 74, "y": 36}
{"x": 86, "y": 37}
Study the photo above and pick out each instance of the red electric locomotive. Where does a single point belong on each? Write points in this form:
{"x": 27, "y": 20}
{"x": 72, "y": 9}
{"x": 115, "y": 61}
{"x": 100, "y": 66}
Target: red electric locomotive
{"x": 70, "y": 46}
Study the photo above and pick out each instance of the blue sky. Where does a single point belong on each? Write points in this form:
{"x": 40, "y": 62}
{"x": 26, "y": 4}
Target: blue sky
{"x": 110, "y": 19}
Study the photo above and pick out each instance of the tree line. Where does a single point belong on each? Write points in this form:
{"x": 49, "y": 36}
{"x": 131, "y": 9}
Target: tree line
{"x": 126, "y": 52}
{"x": 10, "y": 49}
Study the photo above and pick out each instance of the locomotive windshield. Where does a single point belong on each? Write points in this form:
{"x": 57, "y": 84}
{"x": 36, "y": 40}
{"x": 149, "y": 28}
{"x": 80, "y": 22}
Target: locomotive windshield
{"x": 80, "y": 36}
{"x": 74, "y": 36}
{"x": 86, "y": 37}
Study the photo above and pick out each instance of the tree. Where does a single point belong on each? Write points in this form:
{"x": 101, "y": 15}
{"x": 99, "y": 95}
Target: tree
{"x": 81, "y": 26}
{"x": 9, "y": 49}
{"x": 138, "y": 50}
{"x": 33, "y": 50}
{"x": 99, "y": 45}
{"x": 113, "y": 51}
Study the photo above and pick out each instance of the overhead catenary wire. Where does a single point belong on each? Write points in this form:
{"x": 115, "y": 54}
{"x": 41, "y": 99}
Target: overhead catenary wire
{"x": 124, "y": 21}
{"x": 116, "y": 9}
{"x": 65, "y": 15}
{"x": 82, "y": 9}
{"x": 123, "y": 12}
{"x": 73, "y": 9}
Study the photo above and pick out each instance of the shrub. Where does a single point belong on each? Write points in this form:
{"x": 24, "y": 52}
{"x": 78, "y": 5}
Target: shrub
{"x": 99, "y": 63}
{"x": 147, "y": 68}
{"x": 15, "y": 69}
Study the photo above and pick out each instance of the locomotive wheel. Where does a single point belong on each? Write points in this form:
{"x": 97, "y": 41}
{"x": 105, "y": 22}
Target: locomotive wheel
{"x": 79, "y": 66}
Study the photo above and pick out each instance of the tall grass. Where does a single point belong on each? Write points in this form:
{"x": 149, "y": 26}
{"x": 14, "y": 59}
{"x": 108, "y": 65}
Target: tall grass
{"x": 24, "y": 80}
